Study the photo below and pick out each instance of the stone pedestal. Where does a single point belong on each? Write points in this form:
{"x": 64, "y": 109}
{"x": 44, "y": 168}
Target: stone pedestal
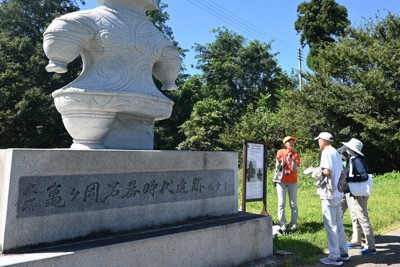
{"x": 225, "y": 242}
{"x": 153, "y": 204}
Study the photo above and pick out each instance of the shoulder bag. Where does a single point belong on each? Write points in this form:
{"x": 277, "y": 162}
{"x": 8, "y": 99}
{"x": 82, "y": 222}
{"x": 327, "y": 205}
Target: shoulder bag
{"x": 361, "y": 189}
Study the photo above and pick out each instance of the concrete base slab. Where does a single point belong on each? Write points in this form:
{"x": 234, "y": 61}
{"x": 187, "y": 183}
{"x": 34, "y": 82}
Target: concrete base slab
{"x": 224, "y": 241}
{"x": 50, "y": 195}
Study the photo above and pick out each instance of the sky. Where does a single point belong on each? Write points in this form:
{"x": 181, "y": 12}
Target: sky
{"x": 269, "y": 21}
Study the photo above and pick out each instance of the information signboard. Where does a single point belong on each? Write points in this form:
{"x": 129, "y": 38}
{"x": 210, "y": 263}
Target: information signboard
{"x": 254, "y": 173}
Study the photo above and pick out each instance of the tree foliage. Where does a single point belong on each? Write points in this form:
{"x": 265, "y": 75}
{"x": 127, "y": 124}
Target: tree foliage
{"x": 236, "y": 75}
{"x": 319, "y": 23}
{"x": 242, "y": 92}
{"x": 28, "y": 117}
{"x": 207, "y": 121}
{"x": 238, "y": 71}
{"x": 168, "y": 134}
{"x": 355, "y": 93}
{"x": 259, "y": 123}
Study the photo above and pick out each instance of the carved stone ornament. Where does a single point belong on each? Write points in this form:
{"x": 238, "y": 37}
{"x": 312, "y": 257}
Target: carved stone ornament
{"x": 114, "y": 102}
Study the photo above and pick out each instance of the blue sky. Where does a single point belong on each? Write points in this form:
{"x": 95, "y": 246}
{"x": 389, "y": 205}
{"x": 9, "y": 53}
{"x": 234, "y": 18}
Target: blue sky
{"x": 265, "y": 20}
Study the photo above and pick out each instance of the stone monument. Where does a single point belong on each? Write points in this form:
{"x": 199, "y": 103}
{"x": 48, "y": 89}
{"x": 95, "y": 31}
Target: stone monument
{"x": 111, "y": 200}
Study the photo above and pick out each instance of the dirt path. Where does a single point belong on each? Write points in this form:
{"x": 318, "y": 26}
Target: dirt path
{"x": 388, "y": 254}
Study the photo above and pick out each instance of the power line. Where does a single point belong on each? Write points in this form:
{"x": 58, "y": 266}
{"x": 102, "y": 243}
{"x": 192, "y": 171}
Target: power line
{"x": 240, "y": 24}
{"x": 255, "y": 27}
{"x": 232, "y": 20}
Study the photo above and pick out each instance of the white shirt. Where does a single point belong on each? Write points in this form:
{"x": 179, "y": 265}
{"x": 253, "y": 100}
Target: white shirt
{"x": 331, "y": 160}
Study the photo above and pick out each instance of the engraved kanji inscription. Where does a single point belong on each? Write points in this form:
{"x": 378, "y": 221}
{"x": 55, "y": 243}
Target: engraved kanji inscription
{"x": 45, "y": 195}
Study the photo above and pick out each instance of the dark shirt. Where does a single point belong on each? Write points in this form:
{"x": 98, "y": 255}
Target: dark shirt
{"x": 360, "y": 173}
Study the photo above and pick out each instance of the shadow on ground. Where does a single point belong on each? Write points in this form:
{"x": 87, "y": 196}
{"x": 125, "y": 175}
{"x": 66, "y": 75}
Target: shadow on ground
{"x": 282, "y": 257}
{"x": 387, "y": 246}
{"x": 312, "y": 227}
{"x": 388, "y": 253}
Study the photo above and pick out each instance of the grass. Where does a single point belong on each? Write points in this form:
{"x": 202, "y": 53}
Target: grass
{"x": 310, "y": 241}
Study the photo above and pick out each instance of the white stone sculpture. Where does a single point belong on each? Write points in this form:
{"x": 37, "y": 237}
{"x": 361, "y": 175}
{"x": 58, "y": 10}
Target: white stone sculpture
{"x": 114, "y": 102}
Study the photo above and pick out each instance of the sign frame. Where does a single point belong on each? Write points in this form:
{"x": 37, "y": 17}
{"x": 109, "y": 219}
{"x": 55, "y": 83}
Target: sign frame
{"x": 254, "y": 186}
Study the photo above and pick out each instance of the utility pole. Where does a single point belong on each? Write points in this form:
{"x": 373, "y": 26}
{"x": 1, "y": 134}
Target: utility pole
{"x": 299, "y": 56}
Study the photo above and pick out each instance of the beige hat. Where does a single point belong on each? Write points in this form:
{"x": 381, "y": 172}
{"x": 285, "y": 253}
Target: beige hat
{"x": 325, "y": 135}
{"x": 355, "y": 145}
{"x": 288, "y": 138}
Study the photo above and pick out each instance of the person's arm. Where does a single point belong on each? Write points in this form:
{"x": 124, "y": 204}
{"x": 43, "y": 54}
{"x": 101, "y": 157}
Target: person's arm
{"x": 317, "y": 174}
{"x": 326, "y": 162}
{"x": 326, "y": 172}
{"x": 297, "y": 159}
{"x": 342, "y": 180}
{"x": 279, "y": 161}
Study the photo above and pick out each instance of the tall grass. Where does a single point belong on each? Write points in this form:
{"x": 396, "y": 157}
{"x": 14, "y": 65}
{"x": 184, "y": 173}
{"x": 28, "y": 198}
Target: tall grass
{"x": 310, "y": 240}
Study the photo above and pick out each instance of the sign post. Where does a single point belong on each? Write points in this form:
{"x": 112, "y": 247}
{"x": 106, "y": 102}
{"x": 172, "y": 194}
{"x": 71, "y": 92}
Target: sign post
{"x": 254, "y": 174}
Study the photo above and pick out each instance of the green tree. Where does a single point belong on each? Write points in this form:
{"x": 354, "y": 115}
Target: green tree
{"x": 207, "y": 122}
{"x": 217, "y": 61}
{"x": 319, "y": 23}
{"x": 259, "y": 123}
{"x": 236, "y": 76}
{"x": 233, "y": 69}
{"x": 356, "y": 92}
{"x": 28, "y": 117}
{"x": 168, "y": 134}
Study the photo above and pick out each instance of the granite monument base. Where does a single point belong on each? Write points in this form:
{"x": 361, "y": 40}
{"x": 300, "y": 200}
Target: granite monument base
{"x": 61, "y": 197}
{"x": 52, "y": 195}
{"x": 227, "y": 242}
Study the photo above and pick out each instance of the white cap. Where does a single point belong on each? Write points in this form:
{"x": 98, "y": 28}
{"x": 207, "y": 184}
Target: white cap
{"x": 325, "y": 135}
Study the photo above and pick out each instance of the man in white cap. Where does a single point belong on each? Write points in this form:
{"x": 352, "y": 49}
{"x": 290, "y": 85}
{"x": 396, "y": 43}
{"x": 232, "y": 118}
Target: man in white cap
{"x": 328, "y": 175}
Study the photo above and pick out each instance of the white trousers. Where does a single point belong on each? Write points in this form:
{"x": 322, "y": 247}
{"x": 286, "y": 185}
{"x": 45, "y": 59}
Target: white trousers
{"x": 333, "y": 222}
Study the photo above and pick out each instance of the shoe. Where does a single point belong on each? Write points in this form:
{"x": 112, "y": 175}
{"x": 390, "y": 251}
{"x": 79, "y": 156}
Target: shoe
{"x": 294, "y": 227}
{"x": 329, "y": 261}
{"x": 366, "y": 251}
{"x": 276, "y": 230}
{"x": 354, "y": 246}
{"x": 344, "y": 257}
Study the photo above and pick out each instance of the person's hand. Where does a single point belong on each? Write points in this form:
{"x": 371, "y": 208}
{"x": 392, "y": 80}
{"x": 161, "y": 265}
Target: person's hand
{"x": 279, "y": 166}
{"x": 317, "y": 174}
{"x": 340, "y": 188}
